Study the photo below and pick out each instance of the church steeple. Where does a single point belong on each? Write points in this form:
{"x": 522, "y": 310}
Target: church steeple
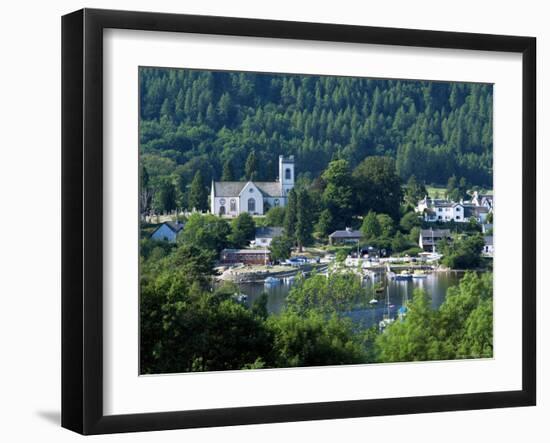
{"x": 286, "y": 173}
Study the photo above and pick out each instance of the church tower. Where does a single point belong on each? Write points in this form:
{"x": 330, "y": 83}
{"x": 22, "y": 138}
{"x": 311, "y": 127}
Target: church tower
{"x": 286, "y": 173}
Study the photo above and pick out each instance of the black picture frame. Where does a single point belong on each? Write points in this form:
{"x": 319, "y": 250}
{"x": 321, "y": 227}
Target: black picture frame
{"x": 82, "y": 214}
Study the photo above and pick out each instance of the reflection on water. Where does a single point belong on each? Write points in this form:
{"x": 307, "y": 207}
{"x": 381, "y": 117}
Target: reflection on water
{"x": 399, "y": 292}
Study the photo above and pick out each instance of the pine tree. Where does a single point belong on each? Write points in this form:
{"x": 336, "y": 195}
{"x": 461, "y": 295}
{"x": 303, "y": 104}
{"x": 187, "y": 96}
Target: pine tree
{"x": 251, "y": 166}
{"x": 290, "y": 215}
{"x": 304, "y": 221}
{"x": 227, "y": 172}
{"x": 198, "y": 197}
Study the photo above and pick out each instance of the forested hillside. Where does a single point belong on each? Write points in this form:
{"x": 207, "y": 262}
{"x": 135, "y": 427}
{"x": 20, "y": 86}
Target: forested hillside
{"x": 202, "y": 120}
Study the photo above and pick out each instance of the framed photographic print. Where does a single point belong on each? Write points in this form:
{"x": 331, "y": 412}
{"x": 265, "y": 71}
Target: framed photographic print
{"x": 269, "y": 221}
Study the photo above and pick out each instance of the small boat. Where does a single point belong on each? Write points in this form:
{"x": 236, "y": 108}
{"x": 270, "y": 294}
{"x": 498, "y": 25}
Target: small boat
{"x": 373, "y": 301}
{"x": 403, "y": 276}
{"x": 241, "y": 298}
{"x": 419, "y": 274}
{"x": 271, "y": 281}
{"x": 384, "y": 323}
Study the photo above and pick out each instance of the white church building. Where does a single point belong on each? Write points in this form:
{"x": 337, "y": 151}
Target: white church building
{"x": 233, "y": 198}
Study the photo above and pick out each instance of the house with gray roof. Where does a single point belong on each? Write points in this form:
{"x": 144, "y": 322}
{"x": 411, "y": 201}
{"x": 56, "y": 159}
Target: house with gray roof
{"x": 429, "y": 238}
{"x": 231, "y": 198}
{"x": 346, "y": 236}
{"x": 167, "y": 231}
{"x": 265, "y": 235}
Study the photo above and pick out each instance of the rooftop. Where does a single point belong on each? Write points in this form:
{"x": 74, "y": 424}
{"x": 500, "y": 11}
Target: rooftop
{"x": 347, "y": 233}
{"x": 269, "y": 231}
{"x": 233, "y": 189}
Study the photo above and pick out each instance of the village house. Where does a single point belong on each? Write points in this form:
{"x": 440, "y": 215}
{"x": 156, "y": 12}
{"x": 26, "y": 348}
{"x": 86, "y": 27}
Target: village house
{"x": 429, "y": 237}
{"x": 245, "y": 256}
{"x": 229, "y": 198}
{"x": 442, "y": 210}
{"x": 347, "y": 236}
{"x": 265, "y": 235}
{"x": 438, "y": 210}
{"x": 167, "y": 231}
{"x": 485, "y": 200}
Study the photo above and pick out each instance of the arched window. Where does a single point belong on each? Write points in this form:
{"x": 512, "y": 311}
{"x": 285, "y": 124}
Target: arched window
{"x": 288, "y": 174}
{"x": 233, "y": 205}
{"x": 222, "y": 210}
{"x": 251, "y": 205}
{"x": 276, "y": 202}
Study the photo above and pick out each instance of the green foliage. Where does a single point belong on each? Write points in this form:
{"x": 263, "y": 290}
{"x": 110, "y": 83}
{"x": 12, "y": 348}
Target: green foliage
{"x": 251, "y": 167}
{"x": 275, "y": 216}
{"x": 243, "y": 230}
{"x": 280, "y": 248}
{"x": 463, "y": 252}
{"x": 325, "y": 224}
{"x": 387, "y": 227}
{"x": 154, "y": 248}
{"x": 400, "y": 243}
{"x": 409, "y": 221}
{"x": 198, "y": 195}
{"x": 377, "y": 186}
{"x": 313, "y": 340}
{"x": 457, "y": 189}
{"x": 371, "y": 228}
{"x": 433, "y": 129}
{"x": 461, "y": 328}
{"x": 206, "y": 232}
{"x": 198, "y": 331}
{"x": 290, "y": 215}
{"x": 338, "y": 194}
{"x": 165, "y": 197}
{"x": 414, "y": 191}
{"x": 341, "y": 255}
{"x": 227, "y": 172}
{"x": 304, "y": 219}
{"x": 337, "y": 293}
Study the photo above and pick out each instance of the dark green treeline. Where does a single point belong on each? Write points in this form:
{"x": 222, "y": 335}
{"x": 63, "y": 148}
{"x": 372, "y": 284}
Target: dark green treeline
{"x": 203, "y": 120}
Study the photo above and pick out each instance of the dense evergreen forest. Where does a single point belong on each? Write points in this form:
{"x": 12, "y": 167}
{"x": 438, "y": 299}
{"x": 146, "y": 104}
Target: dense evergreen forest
{"x": 203, "y": 120}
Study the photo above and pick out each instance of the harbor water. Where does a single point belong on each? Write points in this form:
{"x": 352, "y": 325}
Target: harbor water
{"x": 435, "y": 284}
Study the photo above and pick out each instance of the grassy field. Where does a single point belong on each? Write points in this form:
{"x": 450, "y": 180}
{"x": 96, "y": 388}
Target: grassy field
{"x": 436, "y": 192}
{"x": 439, "y": 191}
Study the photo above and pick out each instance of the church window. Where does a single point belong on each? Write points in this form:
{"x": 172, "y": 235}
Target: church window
{"x": 288, "y": 174}
{"x": 232, "y": 205}
{"x": 276, "y": 202}
{"x": 251, "y": 205}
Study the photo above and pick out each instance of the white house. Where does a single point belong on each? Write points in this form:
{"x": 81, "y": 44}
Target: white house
{"x": 167, "y": 231}
{"x": 265, "y": 235}
{"x": 437, "y": 210}
{"x": 233, "y": 198}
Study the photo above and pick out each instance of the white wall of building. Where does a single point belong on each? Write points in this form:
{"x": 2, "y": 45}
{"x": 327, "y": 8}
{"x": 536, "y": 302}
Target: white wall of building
{"x": 251, "y": 192}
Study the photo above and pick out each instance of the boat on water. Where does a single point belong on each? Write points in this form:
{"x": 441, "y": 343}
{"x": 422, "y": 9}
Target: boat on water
{"x": 386, "y": 319}
{"x": 271, "y": 281}
{"x": 373, "y": 301}
{"x": 419, "y": 274}
{"x": 403, "y": 276}
{"x": 241, "y": 298}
